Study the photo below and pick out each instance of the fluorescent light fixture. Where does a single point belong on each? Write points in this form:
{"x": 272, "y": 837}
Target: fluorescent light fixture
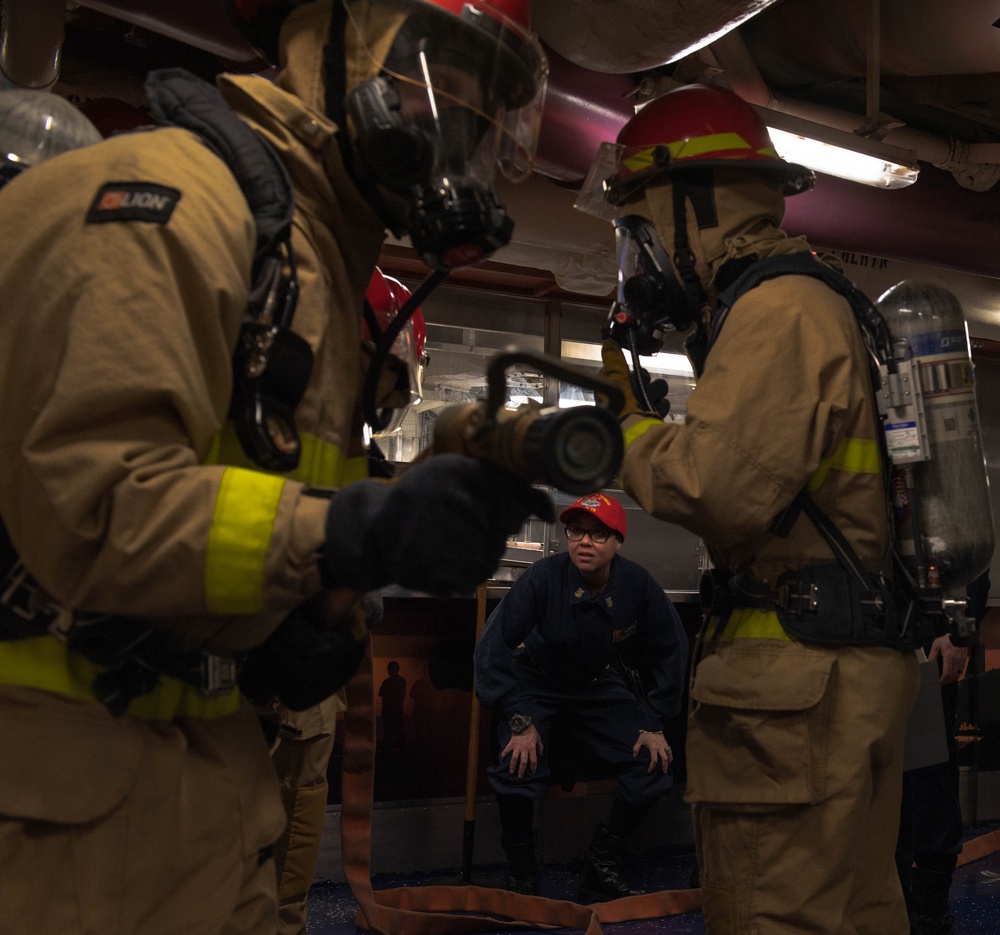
{"x": 672, "y": 364}
{"x": 836, "y": 152}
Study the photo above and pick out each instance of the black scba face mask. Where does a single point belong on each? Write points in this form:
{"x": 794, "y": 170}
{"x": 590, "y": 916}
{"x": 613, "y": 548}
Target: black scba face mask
{"x": 452, "y": 220}
{"x": 651, "y": 299}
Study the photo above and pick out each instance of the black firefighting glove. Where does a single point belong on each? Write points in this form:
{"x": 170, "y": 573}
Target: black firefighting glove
{"x": 652, "y": 394}
{"x": 616, "y": 370}
{"x": 305, "y": 660}
{"x": 441, "y": 527}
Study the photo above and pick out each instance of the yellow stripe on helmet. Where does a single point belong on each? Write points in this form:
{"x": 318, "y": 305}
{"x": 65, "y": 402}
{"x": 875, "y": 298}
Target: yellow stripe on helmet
{"x": 692, "y": 148}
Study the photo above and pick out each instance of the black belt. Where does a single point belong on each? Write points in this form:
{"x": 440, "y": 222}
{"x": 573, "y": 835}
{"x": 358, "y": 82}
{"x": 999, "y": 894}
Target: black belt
{"x": 135, "y": 655}
{"x": 721, "y": 592}
{"x": 24, "y": 608}
{"x": 823, "y": 605}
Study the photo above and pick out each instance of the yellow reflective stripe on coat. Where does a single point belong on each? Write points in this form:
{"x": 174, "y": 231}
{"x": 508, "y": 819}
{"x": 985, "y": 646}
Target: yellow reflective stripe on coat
{"x": 639, "y": 429}
{"x": 245, "y": 508}
{"x": 854, "y": 456}
{"x": 46, "y": 663}
{"x": 320, "y": 463}
{"x": 242, "y": 524}
{"x": 751, "y": 623}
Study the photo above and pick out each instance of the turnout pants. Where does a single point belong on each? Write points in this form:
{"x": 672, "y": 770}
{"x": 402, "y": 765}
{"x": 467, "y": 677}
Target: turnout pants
{"x": 126, "y": 826}
{"x": 301, "y": 758}
{"x": 794, "y": 774}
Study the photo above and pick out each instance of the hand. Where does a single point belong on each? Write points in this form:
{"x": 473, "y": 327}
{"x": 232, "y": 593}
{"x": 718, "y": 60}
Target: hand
{"x": 524, "y": 750}
{"x": 616, "y": 370}
{"x": 653, "y": 392}
{"x": 953, "y": 658}
{"x": 659, "y": 749}
{"x": 441, "y": 527}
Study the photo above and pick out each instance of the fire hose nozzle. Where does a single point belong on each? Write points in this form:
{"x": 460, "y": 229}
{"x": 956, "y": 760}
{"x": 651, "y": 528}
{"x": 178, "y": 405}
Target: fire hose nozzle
{"x": 577, "y": 450}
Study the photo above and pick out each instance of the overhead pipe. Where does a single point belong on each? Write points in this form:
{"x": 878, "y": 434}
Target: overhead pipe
{"x": 873, "y": 75}
{"x": 934, "y": 223}
{"x": 975, "y": 166}
{"x": 206, "y": 25}
{"x": 31, "y": 44}
{"x": 626, "y": 36}
{"x": 824, "y": 40}
{"x": 582, "y": 109}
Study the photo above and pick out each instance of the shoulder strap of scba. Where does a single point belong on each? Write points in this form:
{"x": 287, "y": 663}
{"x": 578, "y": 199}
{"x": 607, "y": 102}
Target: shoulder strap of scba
{"x": 878, "y": 342}
{"x": 181, "y": 99}
{"x": 806, "y": 263}
{"x": 271, "y": 364}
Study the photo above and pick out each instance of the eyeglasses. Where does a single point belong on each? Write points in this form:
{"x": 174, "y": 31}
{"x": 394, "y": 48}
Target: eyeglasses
{"x": 599, "y": 535}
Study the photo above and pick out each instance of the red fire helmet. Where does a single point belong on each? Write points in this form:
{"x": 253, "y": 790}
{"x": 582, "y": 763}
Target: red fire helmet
{"x": 698, "y": 126}
{"x": 387, "y": 296}
{"x": 488, "y": 39}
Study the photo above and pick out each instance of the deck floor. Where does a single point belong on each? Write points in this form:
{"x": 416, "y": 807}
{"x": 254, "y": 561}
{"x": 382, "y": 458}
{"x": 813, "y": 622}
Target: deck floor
{"x": 975, "y": 893}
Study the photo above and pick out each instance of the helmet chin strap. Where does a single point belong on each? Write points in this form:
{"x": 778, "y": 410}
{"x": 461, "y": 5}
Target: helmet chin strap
{"x": 684, "y": 258}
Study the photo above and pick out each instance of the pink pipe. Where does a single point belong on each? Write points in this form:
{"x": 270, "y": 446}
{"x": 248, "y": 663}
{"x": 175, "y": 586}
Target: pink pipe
{"x": 582, "y": 110}
{"x": 934, "y": 221}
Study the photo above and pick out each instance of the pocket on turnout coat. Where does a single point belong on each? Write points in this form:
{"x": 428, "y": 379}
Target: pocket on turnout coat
{"x": 757, "y": 728}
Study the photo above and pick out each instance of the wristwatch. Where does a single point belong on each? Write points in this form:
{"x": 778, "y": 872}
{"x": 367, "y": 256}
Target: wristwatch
{"x": 519, "y": 723}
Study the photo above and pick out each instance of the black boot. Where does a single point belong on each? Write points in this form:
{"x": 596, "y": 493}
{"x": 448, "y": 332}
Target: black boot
{"x": 522, "y": 867}
{"x": 517, "y": 837}
{"x": 929, "y": 913}
{"x": 600, "y": 880}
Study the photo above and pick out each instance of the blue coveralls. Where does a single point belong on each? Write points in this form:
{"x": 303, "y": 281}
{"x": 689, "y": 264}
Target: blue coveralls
{"x": 570, "y": 638}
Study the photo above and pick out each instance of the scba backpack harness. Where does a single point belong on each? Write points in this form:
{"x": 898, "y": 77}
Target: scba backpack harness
{"x": 839, "y": 604}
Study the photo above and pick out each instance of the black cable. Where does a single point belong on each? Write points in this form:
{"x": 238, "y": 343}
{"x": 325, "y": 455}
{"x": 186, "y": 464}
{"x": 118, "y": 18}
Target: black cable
{"x": 638, "y": 383}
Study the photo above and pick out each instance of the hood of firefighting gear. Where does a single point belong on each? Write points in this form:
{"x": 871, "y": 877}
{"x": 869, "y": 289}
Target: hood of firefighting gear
{"x": 304, "y": 35}
{"x": 749, "y": 210}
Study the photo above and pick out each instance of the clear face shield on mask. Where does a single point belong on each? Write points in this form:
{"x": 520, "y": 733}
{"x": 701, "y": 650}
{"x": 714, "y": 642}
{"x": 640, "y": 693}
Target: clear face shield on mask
{"x": 456, "y": 97}
{"x": 650, "y": 299}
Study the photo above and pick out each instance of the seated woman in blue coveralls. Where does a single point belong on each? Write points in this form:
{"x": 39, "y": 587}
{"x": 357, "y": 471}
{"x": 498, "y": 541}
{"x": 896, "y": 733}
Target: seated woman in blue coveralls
{"x": 555, "y": 645}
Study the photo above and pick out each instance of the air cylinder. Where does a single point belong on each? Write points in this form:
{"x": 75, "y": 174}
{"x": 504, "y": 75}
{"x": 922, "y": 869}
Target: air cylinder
{"x": 948, "y": 493}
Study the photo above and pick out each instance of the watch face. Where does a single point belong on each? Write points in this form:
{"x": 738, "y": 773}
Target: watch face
{"x": 519, "y": 723}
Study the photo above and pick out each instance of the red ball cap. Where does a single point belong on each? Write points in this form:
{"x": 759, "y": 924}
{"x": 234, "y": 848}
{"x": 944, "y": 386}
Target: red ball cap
{"x": 607, "y": 509}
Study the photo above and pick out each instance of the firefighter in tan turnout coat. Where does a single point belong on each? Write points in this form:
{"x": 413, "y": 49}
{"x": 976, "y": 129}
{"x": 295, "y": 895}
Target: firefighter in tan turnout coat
{"x": 799, "y": 708}
{"x": 165, "y": 513}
